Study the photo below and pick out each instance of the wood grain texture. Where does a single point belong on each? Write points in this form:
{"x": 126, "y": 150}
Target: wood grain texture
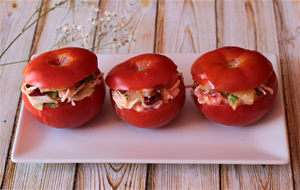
{"x": 46, "y": 176}
{"x": 183, "y": 176}
{"x": 136, "y": 14}
{"x": 184, "y": 27}
{"x": 111, "y": 176}
{"x": 251, "y": 24}
{"x": 122, "y": 176}
{"x": 288, "y": 32}
{"x": 12, "y": 19}
{"x": 40, "y": 176}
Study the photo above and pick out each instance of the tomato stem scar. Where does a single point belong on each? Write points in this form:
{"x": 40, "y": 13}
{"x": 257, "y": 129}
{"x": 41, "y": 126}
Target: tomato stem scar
{"x": 61, "y": 61}
{"x": 232, "y": 62}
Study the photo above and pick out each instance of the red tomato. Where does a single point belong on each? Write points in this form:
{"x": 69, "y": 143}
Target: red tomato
{"x": 57, "y": 69}
{"x": 233, "y": 69}
{"x": 141, "y": 72}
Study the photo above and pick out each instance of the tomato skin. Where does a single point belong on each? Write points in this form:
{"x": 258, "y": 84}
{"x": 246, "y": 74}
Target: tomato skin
{"x": 43, "y": 73}
{"x": 155, "y": 118}
{"x": 213, "y": 69}
{"x": 66, "y": 115}
{"x": 244, "y": 114}
{"x": 156, "y": 69}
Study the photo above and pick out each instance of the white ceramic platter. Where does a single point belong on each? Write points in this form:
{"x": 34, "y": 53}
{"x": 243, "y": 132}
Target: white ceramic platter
{"x": 190, "y": 138}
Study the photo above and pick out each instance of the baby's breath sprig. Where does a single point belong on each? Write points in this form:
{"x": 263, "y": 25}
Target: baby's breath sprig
{"x": 108, "y": 26}
{"x": 27, "y": 25}
{"x": 110, "y": 23}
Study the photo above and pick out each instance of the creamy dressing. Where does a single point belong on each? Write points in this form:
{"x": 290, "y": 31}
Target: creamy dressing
{"x": 69, "y": 94}
{"x": 212, "y": 97}
{"x": 135, "y": 99}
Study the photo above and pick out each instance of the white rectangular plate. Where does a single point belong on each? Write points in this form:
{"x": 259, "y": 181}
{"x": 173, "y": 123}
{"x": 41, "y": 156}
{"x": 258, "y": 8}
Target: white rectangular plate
{"x": 190, "y": 138}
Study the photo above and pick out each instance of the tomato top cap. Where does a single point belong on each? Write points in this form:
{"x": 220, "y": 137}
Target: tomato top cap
{"x": 231, "y": 69}
{"x": 142, "y": 71}
{"x": 60, "y": 68}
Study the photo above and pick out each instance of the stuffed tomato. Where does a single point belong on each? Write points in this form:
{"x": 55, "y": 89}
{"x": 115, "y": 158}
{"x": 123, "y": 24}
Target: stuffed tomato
{"x": 146, "y": 91}
{"x": 234, "y": 86}
{"x": 63, "y": 88}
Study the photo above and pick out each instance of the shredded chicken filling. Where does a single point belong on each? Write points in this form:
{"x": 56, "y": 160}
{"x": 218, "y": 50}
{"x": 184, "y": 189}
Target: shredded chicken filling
{"x": 40, "y": 97}
{"x": 150, "y": 98}
{"x": 212, "y": 97}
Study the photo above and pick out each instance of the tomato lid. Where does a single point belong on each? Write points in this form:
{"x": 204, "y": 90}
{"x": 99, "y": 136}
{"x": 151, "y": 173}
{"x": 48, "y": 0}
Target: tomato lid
{"x": 60, "y": 68}
{"x": 142, "y": 71}
{"x": 231, "y": 69}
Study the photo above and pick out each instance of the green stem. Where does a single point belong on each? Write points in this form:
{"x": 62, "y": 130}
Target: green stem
{"x": 14, "y": 62}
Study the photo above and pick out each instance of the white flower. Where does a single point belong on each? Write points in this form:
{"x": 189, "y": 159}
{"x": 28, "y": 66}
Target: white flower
{"x": 107, "y": 13}
{"x": 108, "y": 19}
{"x": 66, "y": 29}
{"x": 91, "y": 19}
{"x": 80, "y": 28}
{"x": 107, "y": 26}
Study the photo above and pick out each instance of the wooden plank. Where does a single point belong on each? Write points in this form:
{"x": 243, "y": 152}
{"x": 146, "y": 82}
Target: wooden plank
{"x": 136, "y": 14}
{"x": 184, "y": 27}
{"x": 288, "y": 32}
{"x": 12, "y": 19}
{"x": 122, "y": 176}
{"x": 111, "y": 176}
{"x": 47, "y": 176}
{"x": 183, "y": 176}
{"x": 251, "y": 24}
{"x": 40, "y": 176}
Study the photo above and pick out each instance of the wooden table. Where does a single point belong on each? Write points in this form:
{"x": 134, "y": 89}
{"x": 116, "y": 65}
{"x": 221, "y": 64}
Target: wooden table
{"x": 158, "y": 26}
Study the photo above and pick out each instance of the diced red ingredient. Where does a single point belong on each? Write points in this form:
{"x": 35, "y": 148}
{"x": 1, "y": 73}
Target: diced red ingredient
{"x": 153, "y": 99}
{"x": 37, "y": 92}
{"x": 209, "y": 97}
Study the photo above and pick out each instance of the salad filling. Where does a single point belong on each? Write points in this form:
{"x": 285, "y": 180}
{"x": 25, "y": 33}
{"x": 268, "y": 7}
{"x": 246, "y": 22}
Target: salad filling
{"x": 234, "y": 99}
{"x": 40, "y": 97}
{"x": 149, "y": 98}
